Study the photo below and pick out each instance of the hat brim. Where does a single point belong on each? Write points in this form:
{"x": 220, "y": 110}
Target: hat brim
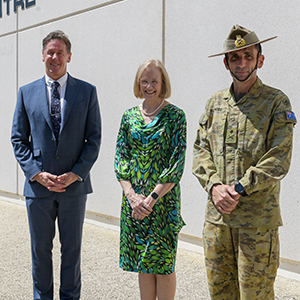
{"x": 259, "y": 42}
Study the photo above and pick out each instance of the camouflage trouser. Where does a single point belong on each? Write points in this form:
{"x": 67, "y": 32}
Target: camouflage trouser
{"x": 241, "y": 263}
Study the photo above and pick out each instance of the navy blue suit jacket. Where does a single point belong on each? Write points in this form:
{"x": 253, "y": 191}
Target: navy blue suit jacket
{"x": 34, "y": 142}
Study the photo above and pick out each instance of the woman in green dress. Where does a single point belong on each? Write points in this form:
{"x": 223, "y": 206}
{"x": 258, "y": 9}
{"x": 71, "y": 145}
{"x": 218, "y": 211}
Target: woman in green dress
{"x": 149, "y": 162}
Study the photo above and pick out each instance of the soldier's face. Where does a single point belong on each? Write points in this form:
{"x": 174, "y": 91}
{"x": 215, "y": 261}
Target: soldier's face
{"x": 242, "y": 62}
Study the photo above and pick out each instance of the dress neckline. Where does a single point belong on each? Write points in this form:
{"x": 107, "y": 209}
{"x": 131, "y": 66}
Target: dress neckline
{"x": 154, "y": 119}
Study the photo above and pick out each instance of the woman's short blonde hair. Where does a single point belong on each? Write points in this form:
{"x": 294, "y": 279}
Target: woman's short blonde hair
{"x": 166, "y": 86}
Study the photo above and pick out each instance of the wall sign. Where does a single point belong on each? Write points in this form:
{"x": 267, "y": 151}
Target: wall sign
{"x": 22, "y": 3}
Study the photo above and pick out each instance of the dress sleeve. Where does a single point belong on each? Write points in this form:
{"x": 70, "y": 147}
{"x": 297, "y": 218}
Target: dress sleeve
{"x": 275, "y": 163}
{"x": 123, "y": 152}
{"x": 173, "y": 172}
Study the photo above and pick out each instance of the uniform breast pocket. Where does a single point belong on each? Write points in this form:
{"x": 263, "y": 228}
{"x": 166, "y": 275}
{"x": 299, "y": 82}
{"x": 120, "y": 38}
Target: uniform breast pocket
{"x": 255, "y": 137}
{"x": 216, "y": 132}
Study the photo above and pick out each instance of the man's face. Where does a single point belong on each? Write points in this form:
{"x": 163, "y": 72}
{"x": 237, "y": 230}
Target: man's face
{"x": 242, "y": 62}
{"x": 56, "y": 57}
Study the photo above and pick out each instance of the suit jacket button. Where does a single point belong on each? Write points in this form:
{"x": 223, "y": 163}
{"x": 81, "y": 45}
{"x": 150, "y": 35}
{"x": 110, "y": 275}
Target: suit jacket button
{"x": 57, "y": 157}
{"x": 52, "y": 140}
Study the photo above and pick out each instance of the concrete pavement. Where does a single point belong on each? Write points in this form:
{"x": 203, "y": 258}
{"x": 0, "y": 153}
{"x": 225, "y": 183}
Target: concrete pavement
{"x": 101, "y": 276}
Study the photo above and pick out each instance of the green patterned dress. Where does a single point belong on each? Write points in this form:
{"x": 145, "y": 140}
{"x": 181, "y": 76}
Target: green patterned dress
{"x": 147, "y": 155}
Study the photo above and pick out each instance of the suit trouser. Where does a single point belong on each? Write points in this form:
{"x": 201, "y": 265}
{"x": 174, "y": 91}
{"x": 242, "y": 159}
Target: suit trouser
{"x": 42, "y": 214}
{"x": 241, "y": 263}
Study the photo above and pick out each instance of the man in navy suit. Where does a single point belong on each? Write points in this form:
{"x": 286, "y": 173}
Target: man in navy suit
{"x": 56, "y": 135}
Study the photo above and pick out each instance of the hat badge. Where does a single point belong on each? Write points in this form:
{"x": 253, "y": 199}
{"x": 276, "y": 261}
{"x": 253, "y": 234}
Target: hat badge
{"x": 239, "y": 41}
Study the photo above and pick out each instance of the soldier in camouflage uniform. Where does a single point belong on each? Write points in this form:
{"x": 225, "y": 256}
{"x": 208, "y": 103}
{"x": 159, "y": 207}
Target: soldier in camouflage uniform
{"x": 242, "y": 151}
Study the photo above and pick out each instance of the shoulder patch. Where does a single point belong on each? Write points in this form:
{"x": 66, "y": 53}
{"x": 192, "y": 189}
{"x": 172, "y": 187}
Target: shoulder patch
{"x": 290, "y": 116}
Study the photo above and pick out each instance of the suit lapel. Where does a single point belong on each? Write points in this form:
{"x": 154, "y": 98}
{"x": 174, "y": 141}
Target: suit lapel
{"x": 70, "y": 96}
{"x": 42, "y": 91}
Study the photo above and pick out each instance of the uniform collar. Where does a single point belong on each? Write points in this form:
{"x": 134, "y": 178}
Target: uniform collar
{"x": 254, "y": 92}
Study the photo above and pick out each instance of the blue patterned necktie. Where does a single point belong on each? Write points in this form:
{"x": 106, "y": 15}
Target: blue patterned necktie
{"x": 55, "y": 109}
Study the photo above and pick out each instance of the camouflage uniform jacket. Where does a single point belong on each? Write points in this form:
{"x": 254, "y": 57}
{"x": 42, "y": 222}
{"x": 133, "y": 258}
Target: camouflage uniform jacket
{"x": 251, "y": 142}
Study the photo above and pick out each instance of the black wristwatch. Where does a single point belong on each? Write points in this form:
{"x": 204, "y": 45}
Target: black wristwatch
{"x": 154, "y": 196}
{"x": 240, "y": 189}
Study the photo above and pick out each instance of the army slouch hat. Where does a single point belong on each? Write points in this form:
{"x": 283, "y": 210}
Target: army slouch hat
{"x": 240, "y": 38}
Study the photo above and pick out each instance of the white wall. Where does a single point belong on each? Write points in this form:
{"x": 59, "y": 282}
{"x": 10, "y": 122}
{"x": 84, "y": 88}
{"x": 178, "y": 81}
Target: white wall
{"x": 111, "y": 38}
{"x": 8, "y": 177}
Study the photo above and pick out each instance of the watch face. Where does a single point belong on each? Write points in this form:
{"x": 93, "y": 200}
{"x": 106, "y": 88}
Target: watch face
{"x": 239, "y": 188}
{"x": 154, "y": 195}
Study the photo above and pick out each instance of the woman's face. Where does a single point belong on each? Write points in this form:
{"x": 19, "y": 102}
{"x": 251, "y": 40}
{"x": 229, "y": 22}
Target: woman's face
{"x": 151, "y": 84}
